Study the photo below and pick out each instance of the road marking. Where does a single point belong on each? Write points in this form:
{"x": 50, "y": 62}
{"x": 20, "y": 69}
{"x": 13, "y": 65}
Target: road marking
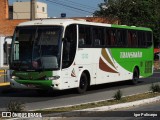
{"x": 4, "y": 84}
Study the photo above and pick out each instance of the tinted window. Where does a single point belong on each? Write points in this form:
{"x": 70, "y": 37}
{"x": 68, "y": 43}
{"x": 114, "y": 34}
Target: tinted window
{"x": 141, "y": 39}
{"x": 132, "y": 39}
{"x": 69, "y": 46}
{"x": 121, "y": 38}
{"x": 111, "y": 37}
{"x": 98, "y": 36}
{"x": 85, "y": 39}
{"x": 149, "y": 38}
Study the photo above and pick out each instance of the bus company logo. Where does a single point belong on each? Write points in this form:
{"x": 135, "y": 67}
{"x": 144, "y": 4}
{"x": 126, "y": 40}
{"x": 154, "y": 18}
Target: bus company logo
{"x": 73, "y": 74}
{"x": 131, "y": 54}
{"x": 106, "y": 62}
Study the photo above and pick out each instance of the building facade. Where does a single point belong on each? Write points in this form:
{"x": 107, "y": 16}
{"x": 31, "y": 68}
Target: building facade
{"x": 7, "y": 27}
{"x": 22, "y": 10}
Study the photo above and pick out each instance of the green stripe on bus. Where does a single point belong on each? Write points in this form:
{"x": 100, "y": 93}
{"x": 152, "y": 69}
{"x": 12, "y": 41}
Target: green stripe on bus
{"x": 130, "y": 27}
{"x": 41, "y": 83}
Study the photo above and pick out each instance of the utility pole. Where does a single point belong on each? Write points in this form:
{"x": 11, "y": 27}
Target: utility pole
{"x": 33, "y": 10}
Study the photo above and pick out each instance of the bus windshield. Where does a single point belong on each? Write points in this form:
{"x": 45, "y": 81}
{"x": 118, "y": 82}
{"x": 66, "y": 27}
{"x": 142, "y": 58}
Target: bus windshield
{"x": 36, "y": 48}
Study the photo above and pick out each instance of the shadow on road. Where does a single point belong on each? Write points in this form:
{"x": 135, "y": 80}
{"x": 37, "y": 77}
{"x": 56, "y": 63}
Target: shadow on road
{"x": 10, "y": 92}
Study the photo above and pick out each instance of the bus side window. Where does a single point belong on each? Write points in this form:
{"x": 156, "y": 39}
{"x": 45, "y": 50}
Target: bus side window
{"x": 141, "y": 39}
{"x": 108, "y": 37}
{"x": 149, "y": 39}
{"x": 121, "y": 38}
{"x": 84, "y": 36}
{"x": 98, "y": 36}
{"x": 132, "y": 39}
{"x": 81, "y": 39}
{"x": 113, "y": 37}
{"x": 129, "y": 39}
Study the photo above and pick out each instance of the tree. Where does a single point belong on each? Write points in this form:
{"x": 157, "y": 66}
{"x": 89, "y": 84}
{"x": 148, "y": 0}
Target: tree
{"x": 145, "y": 13}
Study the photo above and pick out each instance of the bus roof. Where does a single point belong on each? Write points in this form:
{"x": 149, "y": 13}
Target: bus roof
{"x": 65, "y": 22}
{"x": 62, "y": 22}
{"x": 131, "y": 27}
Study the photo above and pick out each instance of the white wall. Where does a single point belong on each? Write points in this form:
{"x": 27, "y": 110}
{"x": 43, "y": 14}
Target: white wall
{"x": 39, "y": 10}
{"x": 21, "y": 10}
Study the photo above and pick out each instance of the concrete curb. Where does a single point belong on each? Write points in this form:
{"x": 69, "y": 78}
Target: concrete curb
{"x": 124, "y": 105}
{"x": 91, "y": 110}
{"x": 104, "y": 108}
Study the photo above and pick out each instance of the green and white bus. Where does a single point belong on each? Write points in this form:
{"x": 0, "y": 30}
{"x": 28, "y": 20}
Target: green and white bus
{"x": 66, "y": 53}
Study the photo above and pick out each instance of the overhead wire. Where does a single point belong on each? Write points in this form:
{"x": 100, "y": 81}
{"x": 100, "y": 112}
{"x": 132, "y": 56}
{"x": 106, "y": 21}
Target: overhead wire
{"x": 79, "y": 4}
{"x": 68, "y": 6}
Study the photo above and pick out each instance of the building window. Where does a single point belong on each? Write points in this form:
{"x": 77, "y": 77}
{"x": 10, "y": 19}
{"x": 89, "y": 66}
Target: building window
{"x": 43, "y": 9}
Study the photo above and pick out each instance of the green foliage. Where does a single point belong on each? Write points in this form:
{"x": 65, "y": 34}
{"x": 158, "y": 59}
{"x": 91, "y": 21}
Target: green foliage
{"x": 118, "y": 95}
{"x": 155, "y": 88}
{"x": 145, "y": 13}
{"x": 14, "y": 106}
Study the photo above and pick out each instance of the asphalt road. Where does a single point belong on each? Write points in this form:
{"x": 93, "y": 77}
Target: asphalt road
{"x": 33, "y": 100}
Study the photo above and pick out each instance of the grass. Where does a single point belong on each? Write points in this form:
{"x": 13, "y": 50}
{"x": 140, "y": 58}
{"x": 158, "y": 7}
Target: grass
{"x": 15, "y": 106}
{"x": 155, "y": 88}
{"x": 103, "y": 103}
{"x": 118, "y": 95}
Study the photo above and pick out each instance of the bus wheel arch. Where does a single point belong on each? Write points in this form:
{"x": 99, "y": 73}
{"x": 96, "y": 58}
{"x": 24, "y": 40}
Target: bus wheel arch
{"x": 84, "y": 82}
{"x": 136, "y": 73}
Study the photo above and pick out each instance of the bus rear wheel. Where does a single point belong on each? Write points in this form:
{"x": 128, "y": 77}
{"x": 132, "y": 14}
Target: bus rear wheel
{"x": 135, "y": 76}
{"x": 83, "y": 84}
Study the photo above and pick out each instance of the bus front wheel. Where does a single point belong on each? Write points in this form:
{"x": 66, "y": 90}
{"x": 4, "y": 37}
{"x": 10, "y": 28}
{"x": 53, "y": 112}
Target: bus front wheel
{"x": 83, "y": 84}
{"x": 135, "y": 76}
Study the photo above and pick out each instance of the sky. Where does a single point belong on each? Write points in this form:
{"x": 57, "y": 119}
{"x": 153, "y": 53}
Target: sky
{"x": 72, "y": 8}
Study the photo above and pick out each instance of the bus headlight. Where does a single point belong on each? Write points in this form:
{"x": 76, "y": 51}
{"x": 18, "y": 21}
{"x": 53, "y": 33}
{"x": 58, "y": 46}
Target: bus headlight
{"x": 14, "y": 77}
{"x": 52, "y": 78}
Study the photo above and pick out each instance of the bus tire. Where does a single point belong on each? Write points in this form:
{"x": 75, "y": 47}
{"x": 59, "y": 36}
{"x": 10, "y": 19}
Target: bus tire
{"x": 135, "y": 76}
{"x": 83, "y": 84}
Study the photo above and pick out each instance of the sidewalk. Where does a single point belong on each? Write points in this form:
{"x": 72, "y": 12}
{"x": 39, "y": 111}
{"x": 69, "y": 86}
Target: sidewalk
{"x": 84, "y": 112}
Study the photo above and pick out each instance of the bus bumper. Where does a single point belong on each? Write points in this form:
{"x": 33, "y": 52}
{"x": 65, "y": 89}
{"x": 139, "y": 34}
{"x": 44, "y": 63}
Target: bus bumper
{"x": 34, "y": 84}
{"x": 17, "y": 85}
